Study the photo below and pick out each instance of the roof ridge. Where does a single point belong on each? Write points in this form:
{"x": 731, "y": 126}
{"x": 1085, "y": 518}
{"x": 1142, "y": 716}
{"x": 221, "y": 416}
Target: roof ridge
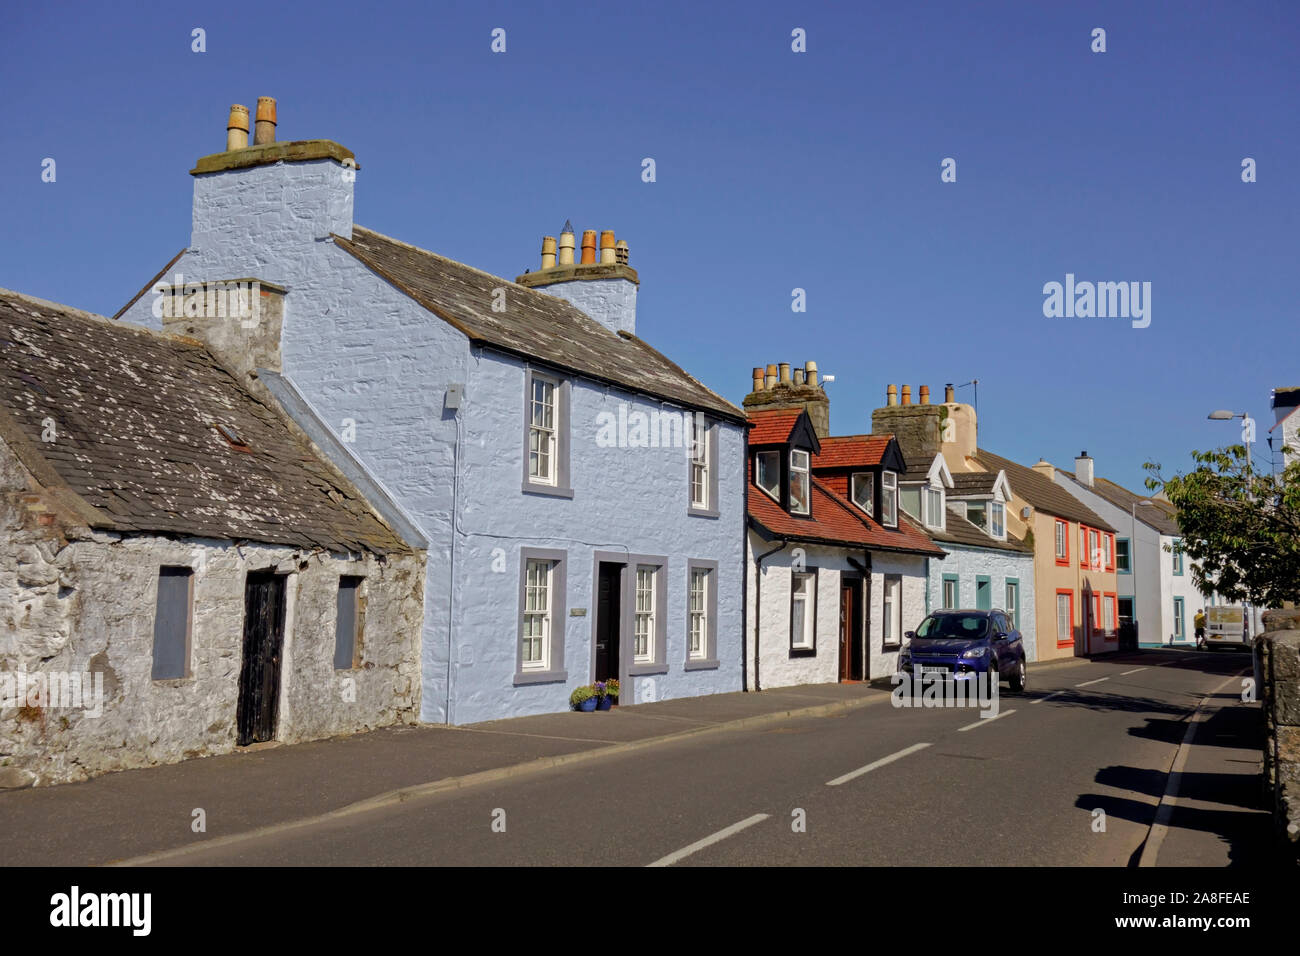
{"x": 71, "y": 311}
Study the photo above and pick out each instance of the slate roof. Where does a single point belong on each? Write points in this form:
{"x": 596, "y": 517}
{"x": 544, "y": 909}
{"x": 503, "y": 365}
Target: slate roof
{"x": 534, "y": 325}
{"x": 1156, "y": 516}
{"x": 773, "y": 427}
{"x": 958, "y": 529}
{"x": 134, "y": 414}
{"x": 834, "y": 522}
{"x": 852, "y": 451}
{"x": 1040, "y": 491}
{"x": 973, "y": 483}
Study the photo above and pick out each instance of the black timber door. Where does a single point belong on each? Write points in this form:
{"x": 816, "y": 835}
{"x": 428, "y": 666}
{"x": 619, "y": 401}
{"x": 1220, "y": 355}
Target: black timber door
{"x": 608, "y": 617}
{"x": 259, "y": 676}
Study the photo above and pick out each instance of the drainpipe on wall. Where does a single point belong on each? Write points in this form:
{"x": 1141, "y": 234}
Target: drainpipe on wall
{"x": 758, "y": 605}
{"x": 451, "y": 563}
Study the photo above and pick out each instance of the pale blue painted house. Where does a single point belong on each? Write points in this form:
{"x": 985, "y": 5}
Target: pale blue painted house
{"x": 575, "y": 530}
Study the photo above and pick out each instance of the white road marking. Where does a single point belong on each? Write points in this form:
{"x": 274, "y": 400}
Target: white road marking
{"x": 1160, "y": 825}
{"x": 1055, "y": 693}
{"x": 698, "y": 845}
{"x": 874, "y": 764}
{"x": 1134, "y": 671}
{"x": 986, "y": 720}
{"x": 1089, "y": 683}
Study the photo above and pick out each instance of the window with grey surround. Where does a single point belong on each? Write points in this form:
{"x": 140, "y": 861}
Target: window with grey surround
{"x": 892, "y": 618}
{"x": 701, "y": 615}
{"x": 539, "y": 656}
{"x": 173, "y": 623}
{"x": 949, "y": 593}
{"x": 800, "y": 486}
{"x": 863, "y": 492}
{"x": 347, "y": 627}
{"x": 889, "y": 499}
{"x": 803, "y": 613}
{"x": 643, "y": 623}
{"x": 1013, "y": 602}
{"x": 546, "y": 434}
{"x": 767, "y": 466}
{"x": 702, "y": 468}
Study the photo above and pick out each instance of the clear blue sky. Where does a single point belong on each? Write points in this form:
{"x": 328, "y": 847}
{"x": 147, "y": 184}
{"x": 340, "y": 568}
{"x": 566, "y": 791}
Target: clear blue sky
{"x": 775, "y": 170}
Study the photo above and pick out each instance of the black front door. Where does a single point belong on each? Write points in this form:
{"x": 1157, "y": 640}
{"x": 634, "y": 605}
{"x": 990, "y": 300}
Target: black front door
{"x": 608, "y": 619}
{"x": 259, "y": 676}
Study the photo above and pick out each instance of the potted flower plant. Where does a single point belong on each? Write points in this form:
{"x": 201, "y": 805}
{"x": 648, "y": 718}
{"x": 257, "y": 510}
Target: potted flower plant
{"x": 583, "y": 698}
{"x": 602, "y": 695}
{"x": 611, "y": 691}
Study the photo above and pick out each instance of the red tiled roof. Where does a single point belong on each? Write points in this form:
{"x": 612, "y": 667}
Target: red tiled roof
{"x": 774, "y": 426}
{"x": 836, "y": 522}
{"x": 851, "y": 451}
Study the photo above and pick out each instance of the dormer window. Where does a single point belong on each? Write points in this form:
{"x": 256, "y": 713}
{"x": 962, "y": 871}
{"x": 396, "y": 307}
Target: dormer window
{"x": 768, "y": 469}
{"x": 889, "y": 499}
{"x": 998, "y": 520}
{"x": 864, "y": 492}
{"x": 799, "y": 482}
{"x": 934, "y": 508}
{"x": 977, "y": 514}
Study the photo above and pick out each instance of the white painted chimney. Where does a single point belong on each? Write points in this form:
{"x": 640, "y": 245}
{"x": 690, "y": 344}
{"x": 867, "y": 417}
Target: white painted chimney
{"x": 1083, "y": 469}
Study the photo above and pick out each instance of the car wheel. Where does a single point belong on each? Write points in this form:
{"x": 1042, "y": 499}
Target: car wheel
{"x": 1019, "y": 679}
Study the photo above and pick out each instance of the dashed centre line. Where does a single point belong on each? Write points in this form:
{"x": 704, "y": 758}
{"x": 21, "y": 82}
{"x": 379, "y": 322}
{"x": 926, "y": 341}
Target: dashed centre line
{"x": 718, "y": 837}
{"x": 986, "y": 720}
{"x": 1055, "y": 693}
{"x": 853, "y": 775}
{"x": 1089, "y": 683}
{"x": 1133, "y": 671}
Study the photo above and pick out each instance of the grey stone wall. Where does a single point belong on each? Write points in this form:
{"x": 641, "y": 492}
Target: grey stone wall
{"x": 1279, "y": 651}
{"x": 77, "y": 601}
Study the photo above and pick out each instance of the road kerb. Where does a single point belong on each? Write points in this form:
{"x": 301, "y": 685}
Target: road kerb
{"x": 432, "y": 788}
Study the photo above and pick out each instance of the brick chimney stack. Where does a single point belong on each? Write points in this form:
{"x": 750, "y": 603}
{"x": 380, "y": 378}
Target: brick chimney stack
{"x": 777, "y": 387}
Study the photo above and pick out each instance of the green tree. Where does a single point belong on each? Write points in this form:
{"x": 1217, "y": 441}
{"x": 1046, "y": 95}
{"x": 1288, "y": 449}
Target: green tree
{"x": 1241, "y": 528}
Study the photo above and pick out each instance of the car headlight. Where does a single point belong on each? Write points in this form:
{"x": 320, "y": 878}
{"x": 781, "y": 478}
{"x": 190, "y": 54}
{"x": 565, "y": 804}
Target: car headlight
{"x": 975, "y": 652}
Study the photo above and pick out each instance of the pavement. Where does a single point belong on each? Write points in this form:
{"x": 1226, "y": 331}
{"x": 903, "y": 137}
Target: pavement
{"x": 416, "y": 794}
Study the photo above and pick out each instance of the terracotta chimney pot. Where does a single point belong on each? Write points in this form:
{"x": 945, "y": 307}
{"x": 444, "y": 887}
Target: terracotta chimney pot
{"x": 237, "y": 128}
{"x": 264, "y": 132}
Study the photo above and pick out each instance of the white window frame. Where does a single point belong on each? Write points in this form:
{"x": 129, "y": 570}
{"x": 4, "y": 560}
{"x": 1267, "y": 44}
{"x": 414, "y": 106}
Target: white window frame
{"x": 1062, "y": 540}
{"x": 797, "y": 472}
{"x": 774, "y": 456}
{"x": 541, "y": 617}
{"x": 943, "y": 594}
{"x": 697, "y": 625}
{"x": 1013, "y": 602}
{"x": 1064, "y": 604}
{"x": 998, "y": 520}
{"x": 544, "y": 439}
{"x": 700, "y": 463}
{"x": 934, "y": 507}
{"x": 803, "y": 590}
{"x": 868, "y": 480}
{"x": 889, "y": 499}
{"x": 891, "y": 605}
{"x": 643, "y": 616}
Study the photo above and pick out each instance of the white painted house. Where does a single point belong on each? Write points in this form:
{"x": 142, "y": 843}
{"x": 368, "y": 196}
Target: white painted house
{"x": 837, "y": 575}
{"x": 581, "y": 494}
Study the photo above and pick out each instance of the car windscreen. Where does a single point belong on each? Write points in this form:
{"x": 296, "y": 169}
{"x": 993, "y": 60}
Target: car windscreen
{"x": 969, "y": 626}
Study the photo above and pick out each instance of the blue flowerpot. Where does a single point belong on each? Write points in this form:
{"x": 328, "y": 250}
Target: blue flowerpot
{"x": 605, "y": 703}
{"x": 588, "y": 705}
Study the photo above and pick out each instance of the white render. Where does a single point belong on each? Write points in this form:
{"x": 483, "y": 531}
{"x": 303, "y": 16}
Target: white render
{"x": 777, "y": 666}
{"x": 968, "y": 563}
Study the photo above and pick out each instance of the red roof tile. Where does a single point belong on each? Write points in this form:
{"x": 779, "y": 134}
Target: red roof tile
{"x": 773, "y": 426}
{"x": 851, "y": 451}
{"x": 836, "y": 522}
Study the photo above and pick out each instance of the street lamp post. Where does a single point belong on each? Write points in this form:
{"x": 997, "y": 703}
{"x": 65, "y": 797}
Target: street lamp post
{"x": 1132, "y": 565}
{"x": 1247, "y": 429}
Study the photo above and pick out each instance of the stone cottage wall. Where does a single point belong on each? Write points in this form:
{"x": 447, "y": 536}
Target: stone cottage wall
{"x": 1279, "y": 651}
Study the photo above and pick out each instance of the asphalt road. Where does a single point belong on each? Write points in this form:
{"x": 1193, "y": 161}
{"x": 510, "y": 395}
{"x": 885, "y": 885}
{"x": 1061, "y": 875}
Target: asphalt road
{"x": 874, "y": 786}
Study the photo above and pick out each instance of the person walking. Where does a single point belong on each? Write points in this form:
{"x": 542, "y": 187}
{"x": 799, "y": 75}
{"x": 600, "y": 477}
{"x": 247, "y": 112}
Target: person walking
{"x": 1199, "y": 623}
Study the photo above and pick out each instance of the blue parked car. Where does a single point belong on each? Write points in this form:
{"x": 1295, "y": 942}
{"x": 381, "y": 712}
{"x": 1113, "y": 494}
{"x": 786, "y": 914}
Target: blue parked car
{"x": 962, "y": 644}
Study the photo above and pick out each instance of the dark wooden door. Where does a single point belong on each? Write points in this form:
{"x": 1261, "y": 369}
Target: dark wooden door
{"x": 259, "y": 676}
{"x": 848, "y": 612}
{"x": 608, "y": 620}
